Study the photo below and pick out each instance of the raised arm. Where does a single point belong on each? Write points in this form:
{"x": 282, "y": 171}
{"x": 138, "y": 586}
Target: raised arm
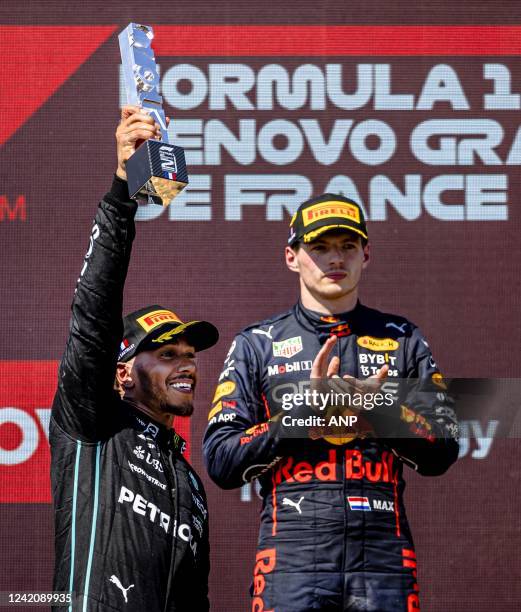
{"x": 87, "y": 369}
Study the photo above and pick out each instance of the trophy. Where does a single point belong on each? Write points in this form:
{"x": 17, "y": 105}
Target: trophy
{"x": 157, "y": 170}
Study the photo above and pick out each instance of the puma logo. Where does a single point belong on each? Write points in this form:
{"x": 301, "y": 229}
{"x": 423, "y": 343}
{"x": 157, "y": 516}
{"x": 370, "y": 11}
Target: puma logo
{"x": 287, "y": 502}
{"x": 265, "y": 333}
{"x": 400, "y": 328}
{"x": 115, "y": 580}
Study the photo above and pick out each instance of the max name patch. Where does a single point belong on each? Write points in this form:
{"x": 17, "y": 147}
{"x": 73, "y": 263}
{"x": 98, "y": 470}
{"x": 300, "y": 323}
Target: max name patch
{"x": 363, "y": 504}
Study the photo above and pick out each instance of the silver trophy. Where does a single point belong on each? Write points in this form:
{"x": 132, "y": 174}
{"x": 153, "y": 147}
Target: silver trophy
{"x": 157, "y": 170}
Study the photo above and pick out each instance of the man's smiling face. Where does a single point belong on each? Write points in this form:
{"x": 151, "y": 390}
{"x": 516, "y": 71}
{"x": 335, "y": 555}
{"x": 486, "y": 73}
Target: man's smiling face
{"x": 165, "y": 378}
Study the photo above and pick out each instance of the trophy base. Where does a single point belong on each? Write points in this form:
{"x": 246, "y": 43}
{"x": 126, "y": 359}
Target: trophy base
{"x": 156, "y": 172}
{"x": 160, "y": 190}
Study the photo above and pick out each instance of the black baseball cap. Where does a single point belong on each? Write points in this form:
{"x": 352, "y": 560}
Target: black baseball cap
{"x": 324, "y": 213}
{"x": 148, "y": 328}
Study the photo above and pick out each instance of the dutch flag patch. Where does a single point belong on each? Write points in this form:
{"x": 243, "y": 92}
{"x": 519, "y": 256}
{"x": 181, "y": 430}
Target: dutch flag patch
{"x": 359, "y": 503}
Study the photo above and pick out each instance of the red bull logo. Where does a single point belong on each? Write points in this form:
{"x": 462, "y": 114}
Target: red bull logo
{"x": 355, "y": 468}
{"x": 253, "y": 432}
{"x": 264, "y": 564}
{"x": 340, "y": 330}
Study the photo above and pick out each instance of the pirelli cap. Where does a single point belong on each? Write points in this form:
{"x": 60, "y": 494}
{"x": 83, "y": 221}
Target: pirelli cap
{"x": 148, "y": 328}
{"x": 325, "y": 213}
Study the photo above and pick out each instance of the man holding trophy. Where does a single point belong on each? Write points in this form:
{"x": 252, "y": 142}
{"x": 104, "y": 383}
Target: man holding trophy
{"x": 131, "y": 520}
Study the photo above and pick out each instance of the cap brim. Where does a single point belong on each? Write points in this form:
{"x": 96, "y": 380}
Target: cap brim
{"x": 313, "y": 235}
{"x": 200, "y": 334}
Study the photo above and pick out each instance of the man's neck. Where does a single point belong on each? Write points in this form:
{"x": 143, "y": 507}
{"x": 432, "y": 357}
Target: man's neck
{"x": 324, "y": 306}
{"x": 159, "y": 417}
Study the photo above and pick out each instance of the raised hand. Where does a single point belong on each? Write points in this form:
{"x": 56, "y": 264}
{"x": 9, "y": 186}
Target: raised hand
{"x": 135, "y": 127}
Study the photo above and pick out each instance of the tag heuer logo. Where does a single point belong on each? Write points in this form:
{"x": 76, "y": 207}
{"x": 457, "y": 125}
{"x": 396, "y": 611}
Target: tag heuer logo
{"x": 287, "y": 348}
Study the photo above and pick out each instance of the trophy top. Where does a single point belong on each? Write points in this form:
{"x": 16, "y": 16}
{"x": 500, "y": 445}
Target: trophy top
{"x": 139, "y": 35}
{"x": 140, "y": 71}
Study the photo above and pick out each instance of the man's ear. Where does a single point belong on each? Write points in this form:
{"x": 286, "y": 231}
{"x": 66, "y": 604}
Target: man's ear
{"x": 367, "y": 256}
{"x": 291, "y": 259}
{"x": 124, "y": 380}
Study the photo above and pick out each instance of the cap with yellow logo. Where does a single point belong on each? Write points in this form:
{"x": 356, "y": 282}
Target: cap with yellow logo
{"x": 324, "y": 213}
{"x": 148, "y": 328}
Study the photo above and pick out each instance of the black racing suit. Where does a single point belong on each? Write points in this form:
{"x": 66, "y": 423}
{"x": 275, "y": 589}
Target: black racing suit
{"x": 334, "y": 533}
{"x": 131, "y": 529}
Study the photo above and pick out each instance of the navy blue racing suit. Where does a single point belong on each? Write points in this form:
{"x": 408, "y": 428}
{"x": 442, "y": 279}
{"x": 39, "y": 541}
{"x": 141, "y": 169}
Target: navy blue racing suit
{"x": 334, "y": 534}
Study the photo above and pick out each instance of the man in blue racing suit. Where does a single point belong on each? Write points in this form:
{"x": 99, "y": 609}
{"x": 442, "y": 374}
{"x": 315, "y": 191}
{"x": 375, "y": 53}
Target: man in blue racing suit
{"x": 334, "y": 533}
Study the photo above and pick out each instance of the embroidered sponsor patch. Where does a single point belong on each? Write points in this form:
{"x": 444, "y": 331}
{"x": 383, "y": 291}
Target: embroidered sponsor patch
{"x": 377, "y": 344}
{"x": 359, "y": 503}
{"x": 287, "y": 348}
{"x": 225, "y": 388}
{"x": 326, "y": 210}
{"x": 157, "y": 317}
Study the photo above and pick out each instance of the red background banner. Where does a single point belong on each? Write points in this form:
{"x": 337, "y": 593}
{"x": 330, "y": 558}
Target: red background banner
{"x": 313, "y": 40}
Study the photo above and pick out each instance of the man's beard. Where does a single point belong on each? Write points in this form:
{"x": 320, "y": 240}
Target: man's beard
{"x": 157, "y": 398}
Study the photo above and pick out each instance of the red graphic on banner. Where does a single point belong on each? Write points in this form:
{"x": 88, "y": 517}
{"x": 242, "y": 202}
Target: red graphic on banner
{"x": 304, "y": 40}
{"x": 14, "y": 210}
{"x": 36, "y": 61}
{"x": 26, "y": 393}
